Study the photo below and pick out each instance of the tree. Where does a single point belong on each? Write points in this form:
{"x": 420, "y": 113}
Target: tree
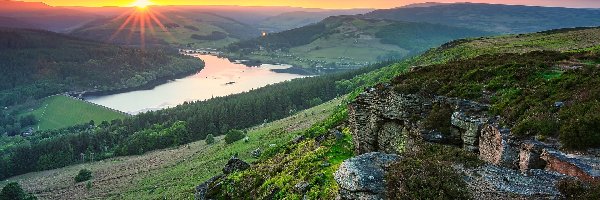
{"x": 210, "y": 139}
{"x": 13, "y": 191}
{"x": 233, "y": 136}
{"x": 84, "y": 175}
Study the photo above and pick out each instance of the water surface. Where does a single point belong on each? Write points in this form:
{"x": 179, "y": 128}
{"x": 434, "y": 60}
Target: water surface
{"x": 220, "y": 77}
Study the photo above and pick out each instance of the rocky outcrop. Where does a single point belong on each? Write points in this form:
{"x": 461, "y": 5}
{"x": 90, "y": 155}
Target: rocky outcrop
{"x": 380, "y": 119}
{"x": 235, "y": 164}
{"x": 204, "y": 190}
{"x": 496, "y": 147}
{"x": 530, "y": 155}
{"x": 583, "y": 167}
{"x": 363, "y": 177}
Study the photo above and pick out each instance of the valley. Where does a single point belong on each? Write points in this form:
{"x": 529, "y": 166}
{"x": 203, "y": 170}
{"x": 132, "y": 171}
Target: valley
{"x": 421, "y": 101}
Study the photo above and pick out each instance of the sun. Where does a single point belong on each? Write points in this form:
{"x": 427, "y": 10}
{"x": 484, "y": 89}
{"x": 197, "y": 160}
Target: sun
{"x": 142, "y": 3}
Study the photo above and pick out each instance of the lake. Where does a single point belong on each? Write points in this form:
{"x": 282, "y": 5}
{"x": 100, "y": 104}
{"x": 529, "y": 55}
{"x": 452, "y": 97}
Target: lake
{"x": 220, "y": 77}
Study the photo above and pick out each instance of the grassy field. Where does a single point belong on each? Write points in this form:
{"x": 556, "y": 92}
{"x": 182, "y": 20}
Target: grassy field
{"x": 62, "y": 111}
{"x": 166, "y": 174}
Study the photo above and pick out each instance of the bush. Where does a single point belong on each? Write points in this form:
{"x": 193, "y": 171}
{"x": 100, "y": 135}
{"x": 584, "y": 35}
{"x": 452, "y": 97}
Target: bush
{"x": 84, "y": 175}
{"x": 575, "y": 189}
{"x": 580, "y": 126}
{"x": 210, "y": 139}
{"x": 233, "y": 136}
{"x": 13, "y": 191}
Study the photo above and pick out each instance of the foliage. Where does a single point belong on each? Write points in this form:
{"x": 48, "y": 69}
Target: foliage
{"x": 215, "y": 35}
{"x": 37, "y": 64}
{"x": 576, "y": 189}
{"x": 309, "y": 161}
{"x": 13, "y": 191}
{"x": 83, "y": 175}
{"x": 210, "y": 139}
{"x": 439, "y": 119}
{"x": 234, "y": 136}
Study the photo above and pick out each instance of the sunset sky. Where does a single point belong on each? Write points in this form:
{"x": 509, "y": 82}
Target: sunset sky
{"x": 319, "y": 3}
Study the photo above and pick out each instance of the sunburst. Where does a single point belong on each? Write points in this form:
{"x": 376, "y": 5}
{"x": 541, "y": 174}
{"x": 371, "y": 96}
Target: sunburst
{"x": 141, "y": 19}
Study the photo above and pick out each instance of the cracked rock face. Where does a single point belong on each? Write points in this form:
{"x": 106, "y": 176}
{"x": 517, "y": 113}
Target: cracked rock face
{"x": 496, "y": 147}
{"x": 363, "y": 177}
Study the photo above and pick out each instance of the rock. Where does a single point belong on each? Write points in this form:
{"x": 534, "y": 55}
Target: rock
{"x": 207, "y": 189}
{"x": 559, "y": 104}
{"x": 470, "y": 127}
{"x": 235, "y": 164}
{"x": 298, "y": 139}
{"x": 583, "y": 167}
{"x": 363, "y": 177}
{"x": 530, "y": 156}
{"x": 256, "y": 153}
{"x": 302, "y": 187}
{"x": 497, "y": 148}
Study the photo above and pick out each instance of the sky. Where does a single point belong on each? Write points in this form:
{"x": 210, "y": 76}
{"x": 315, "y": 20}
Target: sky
{"x": 319, "y": 3}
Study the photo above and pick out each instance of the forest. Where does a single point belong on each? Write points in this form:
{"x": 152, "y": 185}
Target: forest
{"x": 37, "y": 64}
{"x": 188, "y": 122}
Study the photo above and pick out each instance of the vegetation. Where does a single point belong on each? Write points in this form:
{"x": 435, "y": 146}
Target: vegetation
{"x": 83, "y": 175}
{"x": 347, "y": 42}
{"x": 210, "y": 139}
{"x": 167, "y": 128}
{"x": 54, "y": 68}
{"x": 12, "y": 124}
{"x": 234, "y": 136}
{"x": 62, "y": 111}
{"x": 13, "y": 191}
{"x": 576, "y": 189}
{"x": 215, "y": 35}
{"x": 494, "y": 17}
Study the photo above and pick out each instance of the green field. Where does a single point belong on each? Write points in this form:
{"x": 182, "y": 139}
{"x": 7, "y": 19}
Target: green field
{"x": 168, "y": 173}
{"x": 62, "y": 111}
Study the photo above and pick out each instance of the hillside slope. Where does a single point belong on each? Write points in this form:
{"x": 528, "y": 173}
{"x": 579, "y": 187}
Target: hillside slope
{"x": 347, "y": 42}
{"x": 521, "y": 87}
{"x": 494, "y": 17}
{"x": 37, "y": 64}
{"x": 176, "y": 28}
{"x": 43, "y": 16}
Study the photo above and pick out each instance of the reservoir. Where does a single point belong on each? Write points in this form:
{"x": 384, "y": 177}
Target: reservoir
{"x": 219, "y": 77}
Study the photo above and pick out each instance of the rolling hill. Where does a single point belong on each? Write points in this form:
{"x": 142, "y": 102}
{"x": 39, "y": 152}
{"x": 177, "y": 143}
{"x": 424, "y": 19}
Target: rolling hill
{"x": 43, "y": 16}
{"x": 180, "y": 29}
{"x": 347, "y": 42}
{"x": 493, "y": 17}
{"x": 291, "y": 20}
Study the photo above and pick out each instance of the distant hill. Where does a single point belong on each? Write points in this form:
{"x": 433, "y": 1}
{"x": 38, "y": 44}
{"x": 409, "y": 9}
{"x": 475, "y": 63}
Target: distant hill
{"x": 181, "y": 29}
{"x": 45, "y": 17}
{"x": 8, "y": 22}
{"x": 36, "y": 64}
{"x": 494, "y": 17}
{"x": 348, "y": 42}
{"x": 291, "y": 20}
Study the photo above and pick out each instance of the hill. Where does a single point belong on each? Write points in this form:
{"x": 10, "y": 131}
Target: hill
{"x": 494, "y": 17}
{"x": 60, "y": 111}
{"x": 291, "y": 20}
{"x": 347, "y": 42}
{"x": 176, "y": 29}
{"x": 37, "y": 64}
{"x": 7, "y": 22}
{"x": 45, "y": 17}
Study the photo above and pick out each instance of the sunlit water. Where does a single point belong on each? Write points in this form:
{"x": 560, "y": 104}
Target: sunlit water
{"x": 212, "y": 81}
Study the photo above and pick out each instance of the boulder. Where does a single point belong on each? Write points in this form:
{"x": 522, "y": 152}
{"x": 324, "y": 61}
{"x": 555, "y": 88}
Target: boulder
{"x": 470, "y": 127}
{"x": 235, "y": 164}
{"x": 581, "y": 166}
{"x": 302, "y": 187}
{"x": 497, "y": 148}
{"x": 207, "y": 189}
{"x": 363, "y": 177}
{"x": 530, "y": 155}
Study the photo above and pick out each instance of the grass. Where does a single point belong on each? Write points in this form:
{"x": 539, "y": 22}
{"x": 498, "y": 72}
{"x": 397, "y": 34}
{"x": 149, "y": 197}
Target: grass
{"x": 62, "y": 111}
{"x": 171, "y": 173}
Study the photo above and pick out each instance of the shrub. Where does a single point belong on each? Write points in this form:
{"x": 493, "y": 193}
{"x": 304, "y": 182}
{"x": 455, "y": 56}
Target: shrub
{"x": 233, "y": 136}
{"x": 13, "y": 191}
{"x": 84, "y": 175}
{"x": 575, "y": 189}
{"x": 210, "y": 139}
{"x": 439, "y": 119}
{"x": 580, "y": 126}
{"x": 425, "y": 179}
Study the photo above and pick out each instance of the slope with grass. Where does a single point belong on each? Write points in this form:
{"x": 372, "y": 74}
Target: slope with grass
{"x": 62, "y": 111}
{"x": 170, "y": 173}
{"x": 347, "y": 42}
